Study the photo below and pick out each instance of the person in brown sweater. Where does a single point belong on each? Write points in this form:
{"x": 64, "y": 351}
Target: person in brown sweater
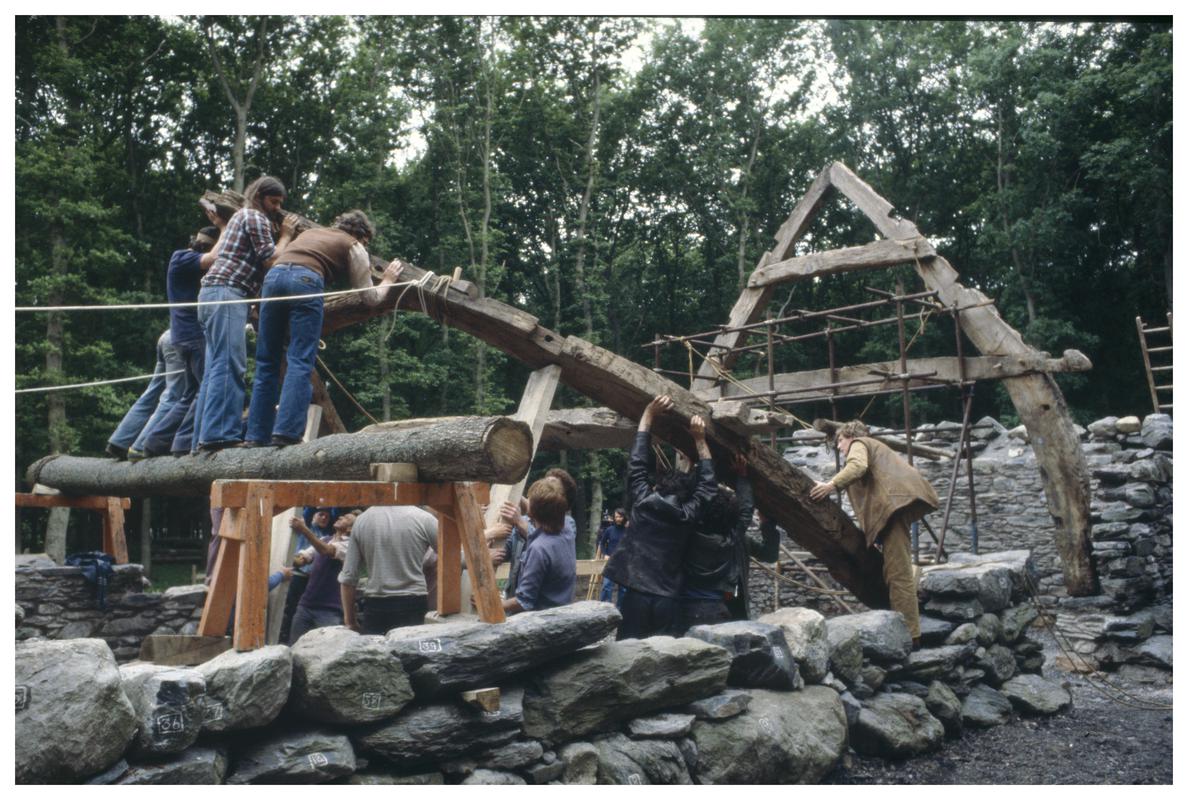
{"x": 315, "y": 259}
{"x": 887, "y": 494}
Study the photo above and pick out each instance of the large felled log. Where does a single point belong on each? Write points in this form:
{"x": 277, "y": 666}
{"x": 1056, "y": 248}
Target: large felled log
{"x": 489, "y": 449}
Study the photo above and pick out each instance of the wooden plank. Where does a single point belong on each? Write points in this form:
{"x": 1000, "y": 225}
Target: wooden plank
{"x": 875, "y": 255}
{"x": 113, "y": 531}
{"x": 182, "y": 651}
{"x": 535, "y": 405}
{"x": 450, "y": 565}
{"x": 878, "y": 210}
{"x": 234, "y": 493}
{"x": 90, "y": 502}
{"x": 750, "y": 306}
{"x": 589, "y": 567}
{"x": 256, "y": 522}
{"x": 402, "y": 472}
{"x": 483, "y": 699}
{"x": 470, "y": 523}
{"x": 221, "y": 594}
{"x": 944, "y": 368}
{"x": 740, "y": 416}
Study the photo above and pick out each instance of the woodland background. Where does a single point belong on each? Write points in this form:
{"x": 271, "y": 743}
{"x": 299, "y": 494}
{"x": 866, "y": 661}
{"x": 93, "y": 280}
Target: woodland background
{"x": 616, "y": 177}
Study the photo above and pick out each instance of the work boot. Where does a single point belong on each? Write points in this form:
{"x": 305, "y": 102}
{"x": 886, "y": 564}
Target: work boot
{"x": 284, "y": 441}
{"x": 211, "y": 447}
{"x": 116, "y": 451}
{"x": 135, "y": 455}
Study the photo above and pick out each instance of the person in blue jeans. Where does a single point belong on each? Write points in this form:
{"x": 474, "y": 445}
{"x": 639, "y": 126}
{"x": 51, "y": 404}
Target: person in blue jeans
{"x": 172, "y": 432}
{"x": 163, "y": 391}
{"x": 235, "y": 268}
{"x": 315, "y": 258}
{"x": 606, "y": 543}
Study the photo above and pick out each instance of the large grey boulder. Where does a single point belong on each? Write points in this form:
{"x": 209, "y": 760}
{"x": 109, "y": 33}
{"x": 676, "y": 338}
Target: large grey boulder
{"x": 943, "y": 704}
{"x": 783, "y": 737}
{"x": 1103, "y": 428}
{"x": 934, "y": 630}
{"x": 997, "y": 663}
{"x": 1015, "y": 621}
{"x": 447, "y": 657}
{"x": 425, "y": 735}
{"x": 167, "y": 705}
{"x": 894, "y": 725}
{"x": 1020, "y": 564}
{"x": 1157, "y": 650}
{"x": 622, "y": 761}
{"x": 197, "y": 765}
{"x": 245, "y": 690}
{"x": 512, "y": 755}
{"x": 845, "y": 654}
{"x": 760, "y": 657}
{"x": 806, "y": 635}
{"x": 72, "y": 716}
{"x": 344, "y": 678}
{"x": 985, "y": 707}
{"x": 726, "y": 704}
{"x": 1033, "y": 694}
{"x": 932, "y": 662}
{"x": 990, "y": 583}
{"x": 621, "y": 680}
{"x": 988, "y": 629}
{"x": 968, "y": 632}
{"x": 303, "y": 756}
{"x": 582, "y": 763}
{"x": 884, "y": 637}
{"x": 1157, "y": 431}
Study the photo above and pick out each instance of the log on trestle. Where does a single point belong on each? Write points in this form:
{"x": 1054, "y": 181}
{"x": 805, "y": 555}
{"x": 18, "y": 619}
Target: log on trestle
{"x": 486, "y": 449}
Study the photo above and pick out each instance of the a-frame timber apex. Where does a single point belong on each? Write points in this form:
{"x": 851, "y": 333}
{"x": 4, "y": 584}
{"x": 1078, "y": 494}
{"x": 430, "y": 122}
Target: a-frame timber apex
{"x": 1036, "y": 396}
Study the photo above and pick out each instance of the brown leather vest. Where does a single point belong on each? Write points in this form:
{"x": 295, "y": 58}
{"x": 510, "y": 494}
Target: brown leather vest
{"x": 889, "y": 486}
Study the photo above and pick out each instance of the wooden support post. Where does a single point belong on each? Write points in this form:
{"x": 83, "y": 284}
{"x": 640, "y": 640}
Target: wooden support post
{"x": 470, "y": 525}
{"x": 114, "y": 541}
{"x": 252, "y": 588}
{"x": 221, "y": 593}
{"x": 450, "y": 566}
{"x": 535, "y": 405}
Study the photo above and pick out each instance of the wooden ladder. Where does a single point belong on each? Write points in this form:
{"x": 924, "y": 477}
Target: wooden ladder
{"x": 1167, "y": 369}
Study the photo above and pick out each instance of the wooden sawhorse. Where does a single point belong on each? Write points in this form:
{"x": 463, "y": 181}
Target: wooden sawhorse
{"x": 241, "y": 573}
{"x": 113, "y": 508}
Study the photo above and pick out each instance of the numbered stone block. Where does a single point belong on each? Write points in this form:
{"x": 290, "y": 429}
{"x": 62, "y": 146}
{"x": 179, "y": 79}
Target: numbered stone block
{"x": 309, "y": 756}
{"x": 806, "y": 634}
{"x": 245, "y": 690}
{"x": 344, "y": 678}
{"x": 633, "y": 762}
{"x": 894, "y": 725}
{"x": 73, "y": 719}
{"x": 760, "y": 656}
{"x": 167, "y": 704}
{"x": 198, "y": 765}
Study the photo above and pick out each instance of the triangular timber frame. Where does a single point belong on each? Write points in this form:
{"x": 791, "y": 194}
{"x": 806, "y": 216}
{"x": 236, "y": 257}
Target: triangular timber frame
{"x": 1036, "y": 396}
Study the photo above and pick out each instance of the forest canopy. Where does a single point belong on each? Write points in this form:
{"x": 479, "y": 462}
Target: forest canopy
{"x": 615, "y": 177}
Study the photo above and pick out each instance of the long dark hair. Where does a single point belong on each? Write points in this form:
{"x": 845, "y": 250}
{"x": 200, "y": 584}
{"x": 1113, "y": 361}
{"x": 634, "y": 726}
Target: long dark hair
{"x": 262, "y": 187}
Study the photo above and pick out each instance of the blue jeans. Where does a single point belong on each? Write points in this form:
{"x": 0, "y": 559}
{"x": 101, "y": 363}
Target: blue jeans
{"x": 307, "y": 619}
{"x": 221, "y": 396}
{"x": 608, "y": 591}
{"x": 171, "y": 432}
{"x": 303, "y": 319}
{"x": 158, "y": 398}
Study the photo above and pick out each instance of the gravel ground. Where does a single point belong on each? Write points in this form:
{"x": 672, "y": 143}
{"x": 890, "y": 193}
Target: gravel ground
{"x": 1097, "y": 741}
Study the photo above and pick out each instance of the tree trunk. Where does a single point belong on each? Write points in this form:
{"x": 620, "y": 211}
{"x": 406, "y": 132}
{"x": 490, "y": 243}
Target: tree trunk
{"x": 490, "y": 449}
{"x": 59, "y": 518}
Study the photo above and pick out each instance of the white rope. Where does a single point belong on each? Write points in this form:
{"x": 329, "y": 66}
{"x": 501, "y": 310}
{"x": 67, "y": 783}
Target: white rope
{"x": 131, "y": 306}
{"x": 98, "y": 383}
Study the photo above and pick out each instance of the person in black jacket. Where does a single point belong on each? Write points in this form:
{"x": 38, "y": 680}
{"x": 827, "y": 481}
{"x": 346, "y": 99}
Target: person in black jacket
{"x": 716, "y": 567}
{"x": 648, "y": 560}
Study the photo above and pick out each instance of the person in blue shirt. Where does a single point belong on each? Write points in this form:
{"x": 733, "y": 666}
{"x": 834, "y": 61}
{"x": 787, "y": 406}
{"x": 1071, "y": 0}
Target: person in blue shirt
{"x": 606, "y": 544}
{"x": 319, "y": 522}
{"x": 547, "y": 575}
{"x": 173, "y": 432}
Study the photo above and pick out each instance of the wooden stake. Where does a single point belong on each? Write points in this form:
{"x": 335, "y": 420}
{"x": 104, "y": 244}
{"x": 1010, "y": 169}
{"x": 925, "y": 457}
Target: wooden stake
{"x": 252, "y": 589}
{"x": 479, "y": 566}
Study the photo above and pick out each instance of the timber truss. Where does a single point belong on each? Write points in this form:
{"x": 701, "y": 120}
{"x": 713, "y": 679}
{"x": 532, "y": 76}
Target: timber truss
{"x": 782, "y": 489}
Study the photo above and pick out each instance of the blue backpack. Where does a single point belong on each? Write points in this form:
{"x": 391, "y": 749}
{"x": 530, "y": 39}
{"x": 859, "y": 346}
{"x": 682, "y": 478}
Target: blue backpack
{"x": 97, "y": 569}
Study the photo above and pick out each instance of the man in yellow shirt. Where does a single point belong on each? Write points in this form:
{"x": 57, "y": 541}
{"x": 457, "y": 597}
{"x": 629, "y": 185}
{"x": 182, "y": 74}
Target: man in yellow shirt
{"x": 887, "y": 494}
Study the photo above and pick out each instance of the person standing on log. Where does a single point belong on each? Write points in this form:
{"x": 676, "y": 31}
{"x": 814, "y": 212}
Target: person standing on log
{"x": 546, "y": 578}
{"x": 389, "y": 543}
{"x": 163, "y": 391}
{"x": 315, "y": 258}
{"x": 321, "y": 605}
{"x": 648, "y": 560}
{"x": 235, "y": 268}
{"x": 887, "y": 494}
{"x": 173, "y": 432}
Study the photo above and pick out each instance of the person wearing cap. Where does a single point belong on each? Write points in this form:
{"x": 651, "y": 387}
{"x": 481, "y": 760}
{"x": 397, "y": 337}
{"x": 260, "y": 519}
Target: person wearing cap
{"x": 315, "y": 259}
{"x": 173, "y": 431}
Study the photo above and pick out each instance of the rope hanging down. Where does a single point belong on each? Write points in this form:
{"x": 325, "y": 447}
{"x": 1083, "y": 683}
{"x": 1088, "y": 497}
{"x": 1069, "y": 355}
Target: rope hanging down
{"x": 97, "y": 383}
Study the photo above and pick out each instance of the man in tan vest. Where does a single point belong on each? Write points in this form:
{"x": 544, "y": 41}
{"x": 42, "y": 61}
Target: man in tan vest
{"x": 887, "y": 494}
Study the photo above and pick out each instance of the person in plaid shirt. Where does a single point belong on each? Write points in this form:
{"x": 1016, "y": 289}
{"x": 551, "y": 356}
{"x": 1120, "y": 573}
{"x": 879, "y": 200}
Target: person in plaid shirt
{"x": 237, "y": 266}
